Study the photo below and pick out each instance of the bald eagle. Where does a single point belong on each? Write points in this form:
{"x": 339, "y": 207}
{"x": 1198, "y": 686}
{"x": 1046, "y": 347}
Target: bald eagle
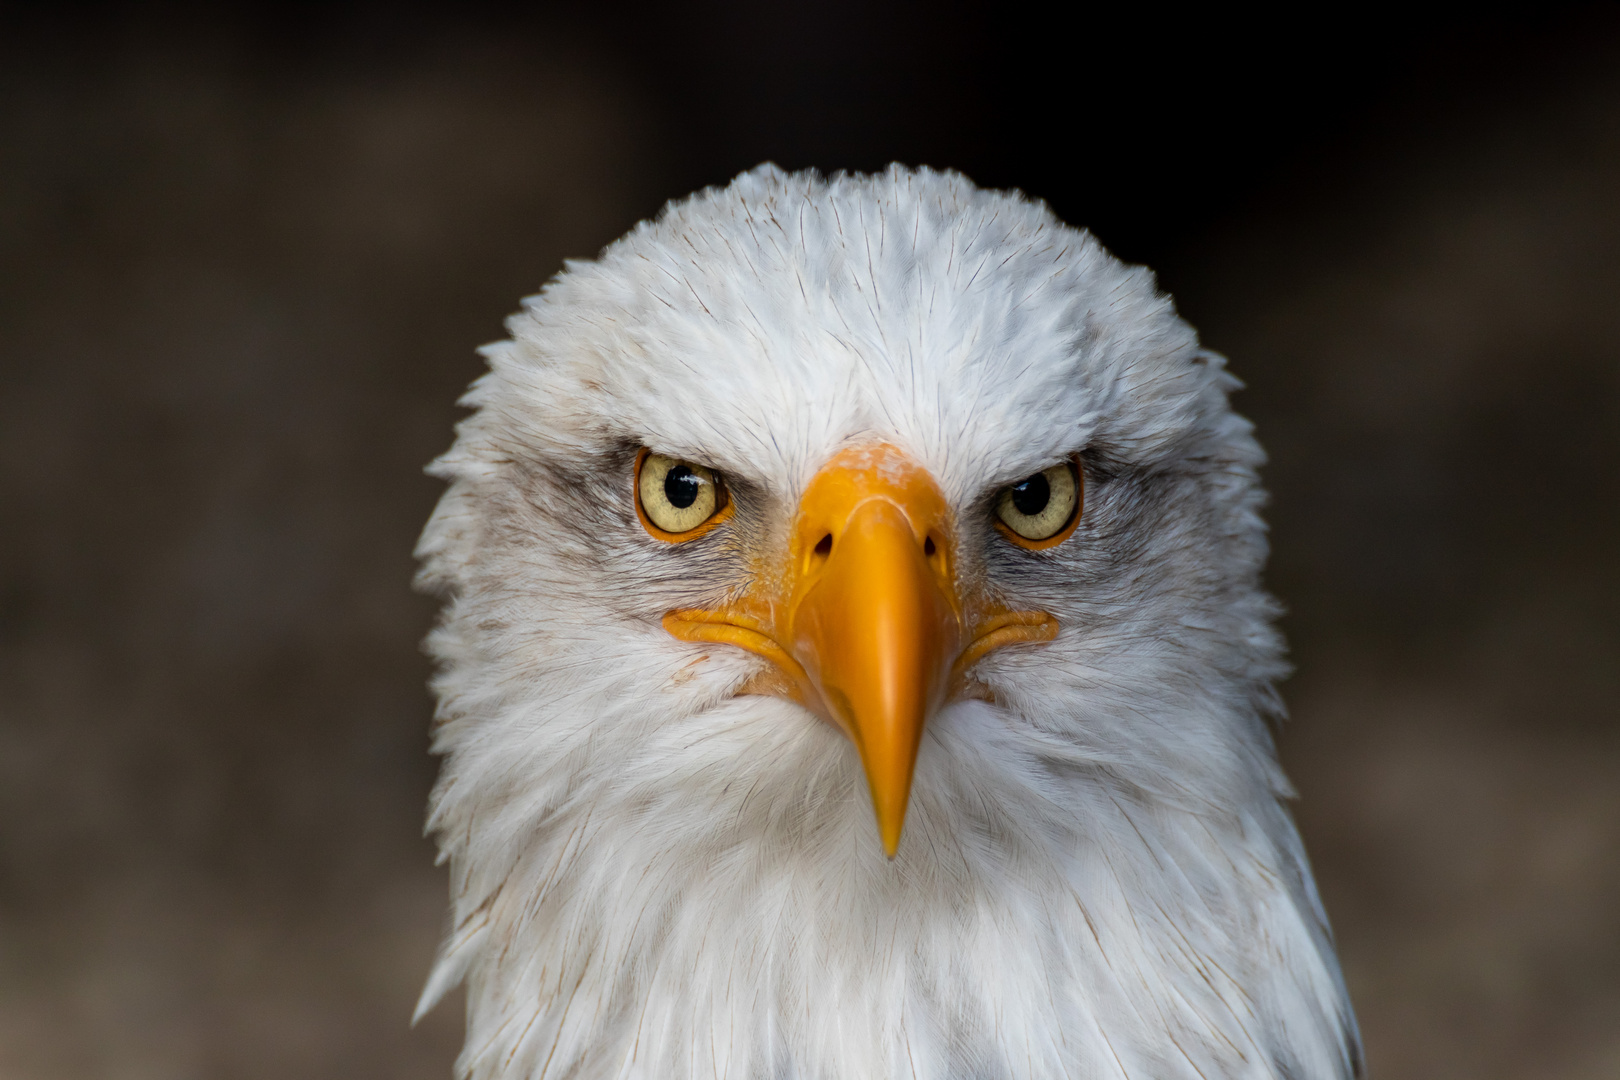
{"x": 854, "y": 664}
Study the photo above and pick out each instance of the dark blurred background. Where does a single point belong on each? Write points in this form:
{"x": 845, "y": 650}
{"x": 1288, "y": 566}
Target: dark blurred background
{"x": 244, "y": 261}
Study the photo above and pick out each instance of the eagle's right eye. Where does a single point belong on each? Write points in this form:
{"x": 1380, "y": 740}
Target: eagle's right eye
{"x": 677, "y": 499}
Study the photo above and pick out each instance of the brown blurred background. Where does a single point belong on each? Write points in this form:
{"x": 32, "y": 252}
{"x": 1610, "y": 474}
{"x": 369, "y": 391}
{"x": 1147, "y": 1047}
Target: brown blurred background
{"x": 244, "y": 261}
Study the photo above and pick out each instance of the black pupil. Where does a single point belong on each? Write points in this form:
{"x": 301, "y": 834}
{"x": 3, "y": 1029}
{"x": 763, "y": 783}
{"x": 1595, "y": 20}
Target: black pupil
{"x": 681, "y": 487}
{"x": 1031, "y": 497}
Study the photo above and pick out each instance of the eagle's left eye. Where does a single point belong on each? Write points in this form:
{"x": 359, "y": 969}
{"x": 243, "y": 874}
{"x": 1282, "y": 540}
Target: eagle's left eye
{"x": 1040, "y": 511}
{"x": 677, "y": 498}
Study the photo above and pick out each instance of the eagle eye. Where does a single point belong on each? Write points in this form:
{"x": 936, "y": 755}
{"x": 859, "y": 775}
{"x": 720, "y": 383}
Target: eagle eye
{"x": 1040, "y": 511}
{"x": 677, "y": 499}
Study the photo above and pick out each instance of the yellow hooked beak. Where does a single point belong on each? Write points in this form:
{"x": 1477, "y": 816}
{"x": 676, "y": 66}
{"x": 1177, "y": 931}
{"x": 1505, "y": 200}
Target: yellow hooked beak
{"x": 865, "y": 623}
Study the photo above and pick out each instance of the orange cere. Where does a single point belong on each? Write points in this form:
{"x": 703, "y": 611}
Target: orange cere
{"x": 864, "y": 621}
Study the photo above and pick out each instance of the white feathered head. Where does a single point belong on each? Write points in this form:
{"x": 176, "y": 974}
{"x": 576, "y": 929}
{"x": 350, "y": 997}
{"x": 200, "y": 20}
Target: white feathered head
{"x": 854, "y": 664}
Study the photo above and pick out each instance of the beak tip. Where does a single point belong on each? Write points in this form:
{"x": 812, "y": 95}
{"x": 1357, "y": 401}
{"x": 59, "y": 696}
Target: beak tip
{"x": 890, "y": 826}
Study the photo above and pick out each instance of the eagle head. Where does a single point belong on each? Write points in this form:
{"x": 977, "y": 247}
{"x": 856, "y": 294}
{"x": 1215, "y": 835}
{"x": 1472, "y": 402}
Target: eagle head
{"x": 854, "y": 664}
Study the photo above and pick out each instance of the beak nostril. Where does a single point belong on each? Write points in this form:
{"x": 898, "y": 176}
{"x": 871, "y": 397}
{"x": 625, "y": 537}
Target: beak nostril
{"x": 824, "y": 545}
{"x": 928, "y": 547}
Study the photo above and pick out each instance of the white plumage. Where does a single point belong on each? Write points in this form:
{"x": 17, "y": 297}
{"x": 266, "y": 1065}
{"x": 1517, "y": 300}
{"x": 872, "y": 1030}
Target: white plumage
{"x": 656, "y": 875}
